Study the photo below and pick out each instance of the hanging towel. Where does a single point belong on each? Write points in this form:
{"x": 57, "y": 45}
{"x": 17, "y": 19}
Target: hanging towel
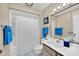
{"x": 59, "y": 31}
{"x": 7, "y": 34}
{"x": 45, "y": 32}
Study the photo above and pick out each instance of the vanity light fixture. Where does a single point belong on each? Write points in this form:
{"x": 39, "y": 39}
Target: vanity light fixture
{"x": 63, "y": 7}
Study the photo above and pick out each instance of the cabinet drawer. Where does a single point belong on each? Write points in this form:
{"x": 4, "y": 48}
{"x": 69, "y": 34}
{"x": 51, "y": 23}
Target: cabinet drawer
{"x": 49, "y": 50}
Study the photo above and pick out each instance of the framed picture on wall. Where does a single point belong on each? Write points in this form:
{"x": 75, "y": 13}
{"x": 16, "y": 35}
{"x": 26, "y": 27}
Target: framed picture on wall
{"x": 46, "y": 20}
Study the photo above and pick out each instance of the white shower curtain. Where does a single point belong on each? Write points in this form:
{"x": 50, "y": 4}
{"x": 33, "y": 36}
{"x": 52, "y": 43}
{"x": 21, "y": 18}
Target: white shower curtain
{"x": 26, "y": 32}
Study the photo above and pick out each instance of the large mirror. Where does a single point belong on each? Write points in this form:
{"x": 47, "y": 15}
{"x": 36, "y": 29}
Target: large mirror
{"x": 69, "y": 21}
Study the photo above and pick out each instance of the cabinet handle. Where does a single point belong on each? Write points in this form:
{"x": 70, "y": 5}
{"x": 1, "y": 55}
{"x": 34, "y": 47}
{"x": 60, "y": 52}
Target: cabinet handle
{"x": 0, "y": 51}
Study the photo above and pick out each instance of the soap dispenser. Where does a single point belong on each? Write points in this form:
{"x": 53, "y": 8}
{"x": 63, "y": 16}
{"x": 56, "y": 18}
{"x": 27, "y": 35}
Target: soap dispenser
{"x": 66, "y": 42}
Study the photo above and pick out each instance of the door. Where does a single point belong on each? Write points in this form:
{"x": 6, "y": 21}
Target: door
{"x": 76, "y": 27}
{"x": 26, "y": 31}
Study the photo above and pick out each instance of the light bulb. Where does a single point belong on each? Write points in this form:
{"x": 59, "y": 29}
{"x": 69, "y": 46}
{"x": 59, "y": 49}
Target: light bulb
{"x": 58, "y": 7}
{"x": 64, "y": 4}
{"x": 54, "y": 10}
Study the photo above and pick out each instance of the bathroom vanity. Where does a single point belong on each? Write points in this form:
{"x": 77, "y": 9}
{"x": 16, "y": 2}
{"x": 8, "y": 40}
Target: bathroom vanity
{"x": 51, "y": 51}
{"x": 57, "y": 49}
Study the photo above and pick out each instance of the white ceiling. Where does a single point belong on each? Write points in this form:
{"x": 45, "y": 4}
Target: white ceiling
{"x": 39, "y": 6}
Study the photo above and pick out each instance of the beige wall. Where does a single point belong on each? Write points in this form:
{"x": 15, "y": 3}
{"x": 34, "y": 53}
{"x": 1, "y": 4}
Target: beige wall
{"x": 4, "y": 19}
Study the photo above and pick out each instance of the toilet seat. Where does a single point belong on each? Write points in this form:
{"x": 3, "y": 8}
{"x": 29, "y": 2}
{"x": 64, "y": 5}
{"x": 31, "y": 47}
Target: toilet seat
{"x": 39, "y": 47}
{"x": 37, "y": 50}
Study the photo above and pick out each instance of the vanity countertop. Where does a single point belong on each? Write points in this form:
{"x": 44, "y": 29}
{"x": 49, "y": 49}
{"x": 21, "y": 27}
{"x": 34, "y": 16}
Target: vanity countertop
{"x": 73, "y": 50}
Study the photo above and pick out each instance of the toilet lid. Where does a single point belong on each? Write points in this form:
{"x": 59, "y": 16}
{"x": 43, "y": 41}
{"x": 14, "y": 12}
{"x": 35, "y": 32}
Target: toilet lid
{"x": 39, "y": 47}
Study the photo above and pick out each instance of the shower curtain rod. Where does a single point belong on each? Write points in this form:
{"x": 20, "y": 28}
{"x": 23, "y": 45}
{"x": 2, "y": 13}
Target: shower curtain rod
{"x": 24, "y": 11}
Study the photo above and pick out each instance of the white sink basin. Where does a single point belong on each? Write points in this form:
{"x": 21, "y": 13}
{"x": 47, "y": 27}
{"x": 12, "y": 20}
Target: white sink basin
{"x": 55, "y": 43}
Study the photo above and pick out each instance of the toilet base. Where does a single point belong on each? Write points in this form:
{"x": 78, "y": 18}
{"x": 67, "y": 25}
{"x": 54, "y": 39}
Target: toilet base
{"x": 32, "y": 53}
{"x": 37, "y": 53}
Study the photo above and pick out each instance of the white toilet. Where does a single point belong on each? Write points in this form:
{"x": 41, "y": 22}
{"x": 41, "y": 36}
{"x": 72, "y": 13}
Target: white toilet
{"x": 37, "y": 50}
